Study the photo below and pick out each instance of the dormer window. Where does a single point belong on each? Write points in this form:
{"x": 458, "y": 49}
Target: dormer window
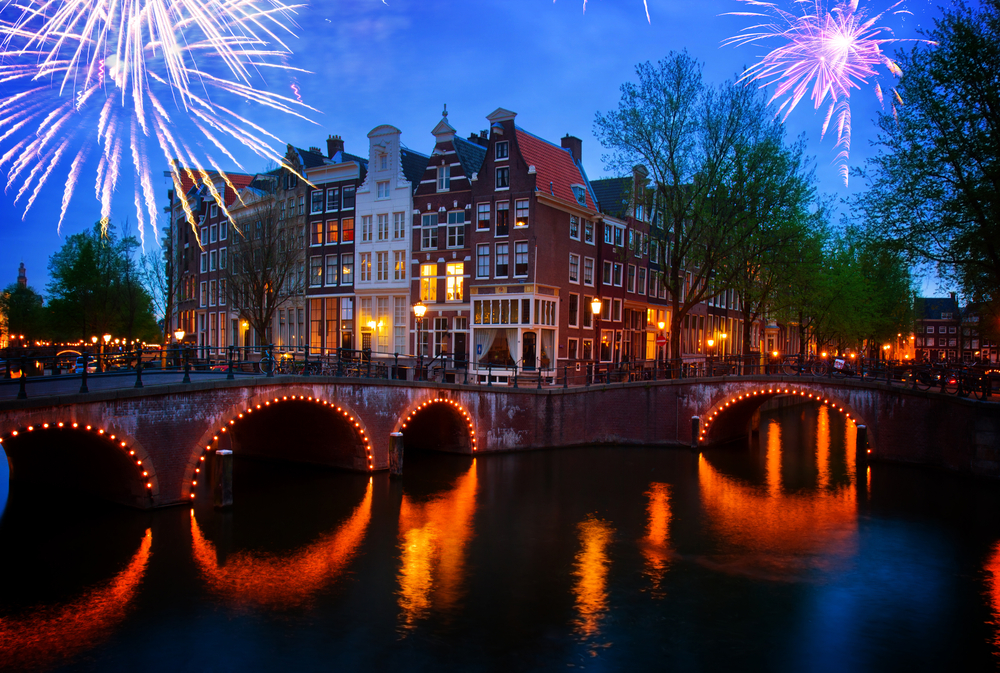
{"x": 502, "y": 150}
{"x": 383, "y": 162}
{"x": 443, "y": 178}
{"x": 580, "y": 192}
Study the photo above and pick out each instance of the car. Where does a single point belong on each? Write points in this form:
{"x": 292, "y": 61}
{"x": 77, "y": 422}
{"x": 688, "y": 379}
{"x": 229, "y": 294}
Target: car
{"x": 78, "y": 367}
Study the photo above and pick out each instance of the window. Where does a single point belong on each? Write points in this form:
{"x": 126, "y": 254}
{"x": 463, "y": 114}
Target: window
{"x": 302, "y": 204}
{"x": 588, "y": 315}
{"x": 503, "y": 218}
{"x": 383, "y": 227}
{"x": 483, "y": 221}
{"x": 588, "y": 232}
{"x": 331, "y": 231}
{"x": 316, "y": 233}
{"x": 606, "y": 278}
{"x": 574, "y": 309}
{"x": 443, "y": 178}
{"x": 588, "y": 271}
{"x": 580, "y": 192}
{"x": 347, "y": 230}
{"x": 281, "y": 210}
{"x": 382, "y": 265}
{"x": 609, "y": 236}
{"x": 500, "y": 312}
{"x": 315, "y": 271}
{"x": 347, "y": 269}
{"x": 483, "y": 260}
{"x": 428, "y": 282}
{"x": 455, "y": 280}
{"x": 521, "y": 258}
{"x": 222, "y": 292}
{"x": 616, "y": 310}
{"x": 348, "y": 198}
{"x": 429, "y": 232}
{"x": 365, "y": 266}
{"x": 202, "y": 289}
{"x": 223, "y": 230}
{"x": 641, "y": 287}
{"x": 223, "y": 258}
{"x": 571, "y": 348}
{"x": 520, "y": 213}
{"x": 204, "y": 262}
{"x": 574, "y": 268}
{"x": 383, "y": 162}
{"x": 399, "y": 265}
{"x": 619, "y": 235}
{"x": 331, "y": 269}
{"x": 456, "y": 229}
{"x": 631, "y": 278}
{"x": 316, "y": 201}
{"x": 213, "y": 262}
{"x": 213, "y": 211}
{"x": 588, "y": 349}
{"x": 204, "y": 235}
{"x": 574, "y": 227}
{"x": 332, "y": 199}
{"x": 951, "y": 330}
{"x": 501, "y": 270}
{"x": 618, "y": 275}
{"x": 382, "y": 189}
{"x": 213, "y": 292}
{"x": 930, "y": 329}
{"x": 366, "y": 229}
{"x": 398, "y": 225}
{"x": 503, "y": 178}
{"x": 213, "y": 232}
{"x": 501, "y": 150}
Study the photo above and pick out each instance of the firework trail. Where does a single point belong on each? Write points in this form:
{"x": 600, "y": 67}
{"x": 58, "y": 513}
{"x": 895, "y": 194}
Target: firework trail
{"x": 107, "y": 75}
{"x": 823, "y": 53}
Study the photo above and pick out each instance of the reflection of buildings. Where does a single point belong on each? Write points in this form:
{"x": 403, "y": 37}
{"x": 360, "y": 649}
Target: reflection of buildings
{"x": 433, "y": 538}
{"x": 591, "y": 572}
{"x": 52, "y": 634}
{"x": 655, "y": 546}
{"x": 282, "y": 580}
{"x": 783, "y": 532}
{"x": 992, "y": 567}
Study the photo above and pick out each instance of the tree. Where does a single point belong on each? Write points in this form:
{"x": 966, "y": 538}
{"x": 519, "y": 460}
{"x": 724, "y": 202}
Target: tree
{"x": 95, "y": 289}
{"x": 934, "y": 186}
{"x": 22, "y": 312}
{"x": 265, "y": 261}
{"x": 708, "y": 151}
{"x": 160, "y": 273}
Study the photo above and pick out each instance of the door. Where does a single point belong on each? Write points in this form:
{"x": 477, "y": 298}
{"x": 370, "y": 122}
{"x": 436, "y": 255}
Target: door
{"x": 460, "y": 347}
{"x": 528, "y": 350}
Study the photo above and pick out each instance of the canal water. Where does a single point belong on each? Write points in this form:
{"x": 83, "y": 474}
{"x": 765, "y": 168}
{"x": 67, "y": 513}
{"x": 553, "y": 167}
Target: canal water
{"x": 774, "y": 555}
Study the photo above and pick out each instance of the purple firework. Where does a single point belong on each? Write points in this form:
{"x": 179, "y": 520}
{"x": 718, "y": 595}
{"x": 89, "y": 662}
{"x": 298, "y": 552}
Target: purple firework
{"x": 825, "y": 53}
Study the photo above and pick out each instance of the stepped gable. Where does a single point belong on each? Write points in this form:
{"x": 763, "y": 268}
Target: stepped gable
{"x": 556, "y": 165}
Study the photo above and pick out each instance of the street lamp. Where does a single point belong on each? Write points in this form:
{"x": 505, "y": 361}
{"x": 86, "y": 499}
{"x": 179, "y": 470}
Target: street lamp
{"x": 711, "y": 344}
{"x": 419, "y": 309}
{"x": 723, "y": 336}
{"x": 178, "y": 338}
{"x": 595, "y": 310}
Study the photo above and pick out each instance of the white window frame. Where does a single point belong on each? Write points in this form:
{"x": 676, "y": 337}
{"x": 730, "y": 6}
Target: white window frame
{"x": 574, "y": 260}
{"x": 521, "y": 247}
{"x": 444, "y": 178}
{"x": 398, "y": 226}
{"x": 479, "y": 257}
{"x": 506, "y": 255}
{"x": 382, "y": 227}
{"x": 503, "y": 155}
{"x": 521, "y": 206}
{"x": 569, "y": 313}
{"x": 382, "y": 189}
{"x": 505, "y": 172}
{"x": 456, "y": 230}
{"x": 382, "y": 266}
{"x": 317, "y": 198}
{"x": 366, "y": 229}
{"x": 330, "y": 279}
{"x": 429, "y": 232}
{"x": 399, "y": 264}
{"x": 592, "y": 262}
{"x": 335, "y": 193}
{"x": 365, "y": 270}
{"x": 483, "y": 217}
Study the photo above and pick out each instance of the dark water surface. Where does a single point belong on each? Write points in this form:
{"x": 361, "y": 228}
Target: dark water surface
{"x": 775, "y": 557}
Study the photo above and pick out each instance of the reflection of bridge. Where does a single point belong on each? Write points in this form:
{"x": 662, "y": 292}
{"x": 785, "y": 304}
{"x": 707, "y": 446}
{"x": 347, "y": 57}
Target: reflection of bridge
{"x": 147, "y": 447}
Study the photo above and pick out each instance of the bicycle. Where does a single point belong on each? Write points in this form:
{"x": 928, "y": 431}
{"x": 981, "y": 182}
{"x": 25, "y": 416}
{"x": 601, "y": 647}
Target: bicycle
{"x": 794, "y": 365}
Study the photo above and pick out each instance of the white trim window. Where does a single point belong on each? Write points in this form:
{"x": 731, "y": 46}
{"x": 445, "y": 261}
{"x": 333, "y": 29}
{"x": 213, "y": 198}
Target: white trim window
{"x": 202, "y": 291}
{"x": 214, "y": 211}
{"x": 454, "y": 281}
{"x": 223, "y": 230}
{"x": 618, "y": 274}
{"x": 332, "y": 266}
{"x": 641, "y": 286}
{"x": 608, "y": 273}
{"x": 213, "y": 233}
{"x": 204, "y": 262}
{"x": 503, "y": 178}
{"x": 365, "y": 267}
{"x": 574, "y": 268}
{"x": 347, "y": 269}
{"x": 316, "y": 201}
{"x": 399, "y": 264}
{"x": 503, "y": 263}
{"x": 443, "y": 178}
{"x": 631, "y": 278}
{"x": 428, "y": 282}
{"x": 366, "y": 229}
{"x": 429, "y": 232}
{"x": 213, "y": 260}
{"x": 588, "y": 232}
{"x": 213, "y": 292}
{"x": 383, "y": 226}
{"x": 382, "y": 265}
{"x": 483, "y": 260}
{"x": 456, "y": 229}
{"x": 501, "y": 150}
{"x": 483, "y": 217}
{"x": 588, "y": 271}
{"x": 520, "y": 213}
{"x": 520, "y": 259}
{"x": 574, "y": 310}
{"x": 315, "y": 271}
{"x": 223, "y": 258}
{"x": 503, "y": 218}
{"x": 332, "y": 199}
{"x": 398, "y": 225}
{"x": 382, "y": 189}
{"x": 574, "y": 227}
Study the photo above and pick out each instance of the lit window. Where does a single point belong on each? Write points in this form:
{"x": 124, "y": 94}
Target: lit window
{"x": 455, "y": 279}
{"x": 521, "y": 213}
{"x": 399, "y": 265}
{"x": 428, "y": 282}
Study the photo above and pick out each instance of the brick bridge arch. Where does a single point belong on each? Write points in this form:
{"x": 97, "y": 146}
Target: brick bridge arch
{"x": 734, "y": 407}
{"x": 438, "y": 424}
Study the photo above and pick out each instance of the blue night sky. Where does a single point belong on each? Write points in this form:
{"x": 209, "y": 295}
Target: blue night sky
{"x": 396, "y": 63}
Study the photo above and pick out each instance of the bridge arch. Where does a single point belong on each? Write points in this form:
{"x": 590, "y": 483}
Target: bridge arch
{"x": 70, "y": 454}
{"x": 732, "y": 410}
{"x": 438, "y": 424}
{"x": 233, "y": 428}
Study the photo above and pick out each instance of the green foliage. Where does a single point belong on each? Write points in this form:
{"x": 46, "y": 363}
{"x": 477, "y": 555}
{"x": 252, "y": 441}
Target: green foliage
{"x": 22, "y": 311}
{"x": 95, "y": 288}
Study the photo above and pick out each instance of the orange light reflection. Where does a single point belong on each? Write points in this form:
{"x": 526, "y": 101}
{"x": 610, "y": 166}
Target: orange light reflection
{"x": 655, "y": 546}
{"x": 273, "y": 580}
{"x": 992, "y": 567}
{"x": 591, "y": 571}
{"x": 823, "y": 448}
{"x": 50, "y": 635}
{"x": 433, "y": 538}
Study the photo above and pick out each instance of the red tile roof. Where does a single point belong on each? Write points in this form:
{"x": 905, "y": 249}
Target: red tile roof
{"x": 553, "y": 164}
{"x": 239, "y": 181}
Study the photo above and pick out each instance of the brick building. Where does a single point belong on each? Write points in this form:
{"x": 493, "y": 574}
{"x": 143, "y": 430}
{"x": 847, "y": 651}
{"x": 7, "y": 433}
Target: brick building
{"x": 937, "y": 328}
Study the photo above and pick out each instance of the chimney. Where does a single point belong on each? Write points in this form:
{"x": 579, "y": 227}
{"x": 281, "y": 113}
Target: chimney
{"x": 574, "y": 145}
{"x": 334, "y": 144}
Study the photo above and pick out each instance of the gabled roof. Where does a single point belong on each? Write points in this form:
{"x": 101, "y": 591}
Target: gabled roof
{"x": 555, "y": 165}
{"x": 414, "y": 164}
{"x": 931, "y": 308}
{"x": 470, "y": 155}
{"x": 309, "y": 159}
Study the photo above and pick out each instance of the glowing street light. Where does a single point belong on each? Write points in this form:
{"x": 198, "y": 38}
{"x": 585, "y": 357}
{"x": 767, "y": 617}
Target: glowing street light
{"x": 419, "y": 309}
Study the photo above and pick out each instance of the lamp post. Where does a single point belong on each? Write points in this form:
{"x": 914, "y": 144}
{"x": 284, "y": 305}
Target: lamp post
{"x": 419, "y": 309}
{"x": 595, "y": 310}
{"x": 97, "y": 351}
{"x": 178, "y": 338}
{"x": 711, "y": 347}
{"x": 104, "y": 350}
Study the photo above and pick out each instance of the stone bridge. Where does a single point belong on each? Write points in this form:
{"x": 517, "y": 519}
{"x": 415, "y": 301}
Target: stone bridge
{"x": 149, "y": 447}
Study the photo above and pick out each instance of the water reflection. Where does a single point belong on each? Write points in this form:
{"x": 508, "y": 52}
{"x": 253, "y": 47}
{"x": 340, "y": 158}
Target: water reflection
{"x": 51, "y": 634}
{"x": 281, "y": 581}
{"x": 591, "y": 572}
{"x": 655, "y": 546}
{"x": 993, "y": 590}
{"x": 433, "y": 540}
{"x": 768, "y": 532}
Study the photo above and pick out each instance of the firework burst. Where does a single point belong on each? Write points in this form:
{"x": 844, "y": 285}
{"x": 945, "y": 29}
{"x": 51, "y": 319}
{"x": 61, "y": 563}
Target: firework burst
{"x": 108, "y": 80}
{"x": 823, "y": 53}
